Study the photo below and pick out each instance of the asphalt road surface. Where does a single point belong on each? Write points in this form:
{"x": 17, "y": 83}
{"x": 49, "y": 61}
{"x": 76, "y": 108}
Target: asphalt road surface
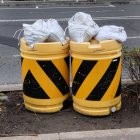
{"x": 11, "y": 19}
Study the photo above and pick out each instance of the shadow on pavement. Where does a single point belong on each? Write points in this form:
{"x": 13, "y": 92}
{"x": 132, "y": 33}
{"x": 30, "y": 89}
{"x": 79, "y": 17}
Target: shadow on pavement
{"x": 11, "y": 42}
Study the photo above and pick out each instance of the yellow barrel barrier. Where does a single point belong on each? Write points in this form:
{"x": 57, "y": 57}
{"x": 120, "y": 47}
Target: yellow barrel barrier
{"x": 45, "y": 76}
{"x": 96, "y": 77}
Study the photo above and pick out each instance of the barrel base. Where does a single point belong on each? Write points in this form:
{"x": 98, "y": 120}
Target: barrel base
{"x": 43, "y": 108}
{"x": 90, "y": 111}
{"x": 44, "y": 105}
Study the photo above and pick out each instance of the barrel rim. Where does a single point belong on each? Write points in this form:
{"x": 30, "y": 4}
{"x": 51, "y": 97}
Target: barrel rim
{"x": 43, "y": 48}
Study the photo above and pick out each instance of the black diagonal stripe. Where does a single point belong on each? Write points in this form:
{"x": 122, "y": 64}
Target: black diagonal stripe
{"x": 118, "y": 93}
{"x": 21, "y": 60}
{"x": 67, "y": 59}
{"x": 81, "y": 74}
{"x": 98, "y": 92}
{"x": 71, "y": 59}
{"x": 55, "y": 76}
{"x": 32, "y": 88}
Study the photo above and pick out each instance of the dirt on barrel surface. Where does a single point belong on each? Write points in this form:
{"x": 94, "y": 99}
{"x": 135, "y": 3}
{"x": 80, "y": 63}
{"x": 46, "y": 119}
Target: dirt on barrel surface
{"x": 16, "y": 120}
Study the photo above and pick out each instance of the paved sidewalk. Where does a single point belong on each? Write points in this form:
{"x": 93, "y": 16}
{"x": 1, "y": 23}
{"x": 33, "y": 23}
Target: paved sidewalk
{"x": 112, "y": 134}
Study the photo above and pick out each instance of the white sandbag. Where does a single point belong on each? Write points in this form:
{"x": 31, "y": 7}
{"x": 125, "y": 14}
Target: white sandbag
{"x": 111, "y": 32}
{"x": 82, "y": 28}
{"x": 43, "y": 30}
{"x": 81, "y": 33}
{"x": 35, "y": 33}
{"x": 83, "y": 18}
{"x": 56, "y": 33}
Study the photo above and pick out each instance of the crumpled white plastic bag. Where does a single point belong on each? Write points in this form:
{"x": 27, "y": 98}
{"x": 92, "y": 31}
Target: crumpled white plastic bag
{"x": 56, "y": 33}
{"x": 111, "y": 32}
{"x": 35, "y": 33}
{"x": 82, "y": 28}
{"x": 43, "y": 30}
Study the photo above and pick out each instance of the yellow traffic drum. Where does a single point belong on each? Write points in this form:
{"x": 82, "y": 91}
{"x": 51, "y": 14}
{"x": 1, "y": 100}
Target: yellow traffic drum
{"x": 96, "y": 77}
{"x": 45, "y": 76}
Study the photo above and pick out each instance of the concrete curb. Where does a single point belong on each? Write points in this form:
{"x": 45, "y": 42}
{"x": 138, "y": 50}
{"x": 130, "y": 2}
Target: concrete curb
{"x": 18, "y": 87}
{"x": 65, "y": 2}
{"x": 110, "y": 134}
{"x": 10, "y": 87}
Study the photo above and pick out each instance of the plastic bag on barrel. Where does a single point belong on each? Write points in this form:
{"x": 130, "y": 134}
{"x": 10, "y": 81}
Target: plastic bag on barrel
{"x": 35, "y": 33}
{"x": 42, "y": 31}
{"x": 56, "y": 33}
{"x": 82, "y": 28}
{"x": 111, "y": 32}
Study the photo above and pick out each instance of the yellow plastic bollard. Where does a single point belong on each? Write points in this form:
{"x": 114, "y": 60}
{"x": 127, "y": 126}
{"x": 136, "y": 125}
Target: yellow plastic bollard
{"x": 96, "y": 77}
{"x": 45, "y": 76}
